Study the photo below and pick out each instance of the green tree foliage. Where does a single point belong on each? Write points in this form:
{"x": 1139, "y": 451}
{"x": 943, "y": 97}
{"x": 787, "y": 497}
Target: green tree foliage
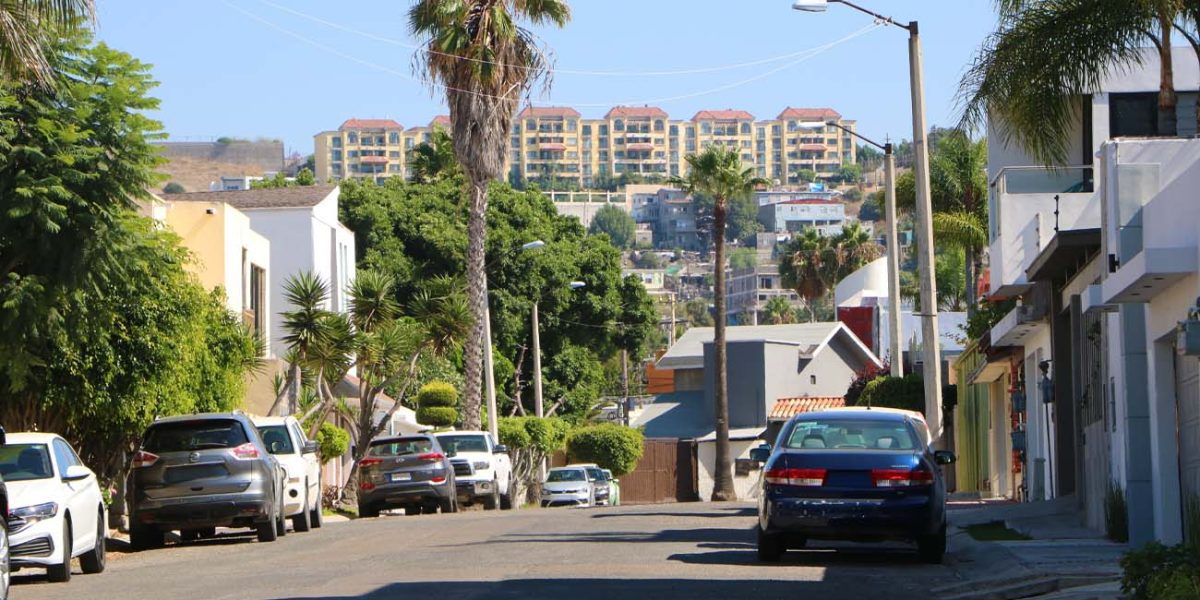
{"x": 615, "y": 222}
{"x": 1159, "y": 572}
{"x": 332, "y": 442}
{"x": 530, "y": 442}
{"x": 279, "y": 180}
{"x": 849, "y": 173}
{"x": 812, "y": 263}
{"x": 436, "y": 402}
{"x": 779, "y": 311}
{"x": 807, "y": 175}
{"x": 852, "y": 195}
{"x": 907, "y": 393}
{"x": 743, "y": 259}
{"x": 305, "y": 177}
{"x": 741, "y": 220}
{"x": 647, "y": 259}
{"x": 173, "y": 188}
{"x": 613, "y": 447}
{"x": 433, "y": 161}
{"x": 698, "y": 312}
{"x": 872, "y": 208}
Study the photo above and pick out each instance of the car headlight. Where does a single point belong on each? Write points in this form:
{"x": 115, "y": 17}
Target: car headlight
{"x": 20, "y": 518}
{"x": 481, "y": 465}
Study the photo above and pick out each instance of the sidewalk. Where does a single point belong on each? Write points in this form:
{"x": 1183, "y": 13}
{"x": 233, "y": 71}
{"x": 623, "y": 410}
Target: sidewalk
{"x": 1062, "y": 560}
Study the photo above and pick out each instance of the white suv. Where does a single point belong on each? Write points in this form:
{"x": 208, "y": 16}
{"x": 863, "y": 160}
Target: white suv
{"x": 482, "y": 468}
{"x": 285, "y": 440}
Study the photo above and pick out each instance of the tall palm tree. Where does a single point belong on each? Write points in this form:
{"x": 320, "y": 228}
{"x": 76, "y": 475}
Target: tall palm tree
{"x": 1045, "y": 53}
{"x": 485, "y": 62}
{"x": 304, "y": 327}
{"x": 25, "y": 28}
{"x": 808, "y": 265}
{"x": 717, "y": 172}
{"x": 433, "y": 160}
{"x": 853, "y": 248}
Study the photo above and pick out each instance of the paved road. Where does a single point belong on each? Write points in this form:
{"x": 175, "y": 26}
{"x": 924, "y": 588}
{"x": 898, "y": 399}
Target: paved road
{"x": 687, "y": 551}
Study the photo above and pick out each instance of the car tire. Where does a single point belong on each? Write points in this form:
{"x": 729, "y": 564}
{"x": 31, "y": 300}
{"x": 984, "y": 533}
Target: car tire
{"x": 93, "y": 561}
{"x": 932, "y": 548}
{"x": 449, "y": 505}
{"x": 316, "y": 515}
{"x": 267, "y": 529}
{"x": 770, "y": 546}
{"x": 5, "y": 569}
{"x": 300, "y": 522}
{"x": 142, "y": 537}
{"x": 492, "y": 501}
{"x": 368, "y": 510}
{"x": 280, "y": 522}
{"x": 61, "y": 573}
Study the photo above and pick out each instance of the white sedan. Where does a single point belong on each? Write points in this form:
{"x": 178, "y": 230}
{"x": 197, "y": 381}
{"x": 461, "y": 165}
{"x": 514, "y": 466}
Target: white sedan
{"x": 285, "y": 440}
{"x": 56, "y": 511}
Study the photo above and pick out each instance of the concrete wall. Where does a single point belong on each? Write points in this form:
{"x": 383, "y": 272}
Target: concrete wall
{"x": 747, "y": 487}
{"x": 829, "y": 373}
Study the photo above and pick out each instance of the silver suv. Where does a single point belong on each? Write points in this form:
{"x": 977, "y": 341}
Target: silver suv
{"x": 198, "y": 472}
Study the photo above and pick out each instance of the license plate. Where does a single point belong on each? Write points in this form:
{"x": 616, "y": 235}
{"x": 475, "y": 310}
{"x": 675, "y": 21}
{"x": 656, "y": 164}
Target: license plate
{"x": 401, "y": 476}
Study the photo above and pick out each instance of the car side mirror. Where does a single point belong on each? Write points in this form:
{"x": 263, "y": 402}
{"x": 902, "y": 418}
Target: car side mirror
{"x": 76, "y": 473}
{"x": 761, "y": 453}
{"x": 310, "y": 447}
{"x": 500, "y": 449}
{"x": 3, "y": 437}
{"x": 944, "y": 457}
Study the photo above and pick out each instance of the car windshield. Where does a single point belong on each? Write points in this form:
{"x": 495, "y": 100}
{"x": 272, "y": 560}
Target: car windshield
{"x": 189, "y": 436}
{"x": 277, "y": 439}
{"x": 859, "y": 434}
{"x": 597, "y": 474}
{"x": 22, "y": 462}
{"x": 463, "y": 443}
{"x": 401, "y": 447}
{"x": 566, "y": 475}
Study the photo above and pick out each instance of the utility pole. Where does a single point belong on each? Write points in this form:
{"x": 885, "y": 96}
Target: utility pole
{"x": 625, "y": 385}
{"x": 893, "y": 262}
{"x": 537, "y": 365}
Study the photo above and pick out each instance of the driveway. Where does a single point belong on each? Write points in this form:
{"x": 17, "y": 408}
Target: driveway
{"x": 666, "y": 551}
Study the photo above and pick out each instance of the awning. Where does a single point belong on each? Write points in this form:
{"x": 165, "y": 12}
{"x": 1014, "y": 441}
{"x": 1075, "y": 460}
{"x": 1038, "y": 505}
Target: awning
{"x": 1066, "y": 254}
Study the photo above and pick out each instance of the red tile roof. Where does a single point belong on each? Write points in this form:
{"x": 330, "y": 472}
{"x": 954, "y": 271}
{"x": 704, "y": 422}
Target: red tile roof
{"x": 723, "y": 115}
{"x": 636, "y": 111}
{"x": 814, "y": 114}
{"x": 549, "y": 111}
{"x": 371, "y": 124}
{"x": 443, "y": 120}
{"x": 786, "y": 408}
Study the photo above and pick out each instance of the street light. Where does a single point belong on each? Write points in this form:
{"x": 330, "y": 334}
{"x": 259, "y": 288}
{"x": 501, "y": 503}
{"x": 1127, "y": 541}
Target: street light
{"x": 932, "y": 364}
{"x": 537, "y": 355}
{"x": 489, "y": 370}
{"x": 893, "y": 246}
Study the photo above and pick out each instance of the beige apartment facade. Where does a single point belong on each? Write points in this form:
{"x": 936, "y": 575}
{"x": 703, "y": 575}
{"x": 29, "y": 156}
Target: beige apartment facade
{"x": 559, "y": 149}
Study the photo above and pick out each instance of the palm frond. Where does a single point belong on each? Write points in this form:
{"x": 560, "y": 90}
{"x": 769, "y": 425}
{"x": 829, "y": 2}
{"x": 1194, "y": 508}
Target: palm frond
{"x": 960, "y": 230}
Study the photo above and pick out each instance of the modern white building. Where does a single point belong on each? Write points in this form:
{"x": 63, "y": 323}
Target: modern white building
{"x": 791, "y": 216}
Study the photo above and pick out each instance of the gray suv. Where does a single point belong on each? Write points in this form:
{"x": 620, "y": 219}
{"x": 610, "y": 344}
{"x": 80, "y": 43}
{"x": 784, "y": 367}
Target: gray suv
{"x": 198, "y": 472}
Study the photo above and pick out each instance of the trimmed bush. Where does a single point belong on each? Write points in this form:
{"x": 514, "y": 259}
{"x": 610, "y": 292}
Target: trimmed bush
{"x": 437, "y": 416}
{"x": 1158, "y": 572}
{"x": 437, "y": 393}
{"x": 906, "y": 393}
{"x": 332, "y": 442}
{"x": 609, "y": 445}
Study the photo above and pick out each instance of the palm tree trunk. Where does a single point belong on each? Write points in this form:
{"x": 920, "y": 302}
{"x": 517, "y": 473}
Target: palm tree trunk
{"x": 294, "y": 390}
{"x": 971, "y": 274}
{"x": 723, "y": 478}
{"x": 1167, "y": 124}
{"x": 477, "y": 298}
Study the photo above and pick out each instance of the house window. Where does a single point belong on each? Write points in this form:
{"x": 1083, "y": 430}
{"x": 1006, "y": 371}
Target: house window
{"x": 812, "y": 379}
{"x": 337, "y": 142}
{"x": 394, "y": 137}
{"x": 1133, "y": 115}
{"x": 258, "y": 292}
{"x": 352, "y": 137}
{"x": 618, "y": 125}
{"x": 587, "y": 130}
{"x": 658, "y": 125}
{"x": 337, "y": 155}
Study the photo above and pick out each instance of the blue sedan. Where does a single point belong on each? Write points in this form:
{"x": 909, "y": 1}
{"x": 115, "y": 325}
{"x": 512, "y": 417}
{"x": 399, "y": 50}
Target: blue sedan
{"x": 864, "y": 475}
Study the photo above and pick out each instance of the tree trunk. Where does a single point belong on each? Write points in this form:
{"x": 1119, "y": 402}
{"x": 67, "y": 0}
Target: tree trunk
{"x": 294, "y": 390}
{"x": 477, "y": 297}
{"x": 969, "y": 260}
{"x": 723, "y": 477}
{"x": 1167, "y": 124}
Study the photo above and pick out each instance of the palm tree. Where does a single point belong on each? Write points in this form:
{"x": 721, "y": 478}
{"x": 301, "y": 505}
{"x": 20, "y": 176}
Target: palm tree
{"x": 26, "y": 26}
{"x": 717, "y": 172}
{"x": 304, "y": 328}
{"x": 853, "y": 248}
{"x": 433, "y": 160}
{"x": 485, "y": 62}
{"x": 808, "y": 265}
{"x": 779, "y": 311}
{"x": 1045, "y": 53}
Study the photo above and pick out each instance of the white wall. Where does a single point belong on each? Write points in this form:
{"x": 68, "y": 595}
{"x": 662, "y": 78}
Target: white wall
{"x": 706, "y": 458}
{"x": 1040, "y": 431}
{"x": 238, "y": 237}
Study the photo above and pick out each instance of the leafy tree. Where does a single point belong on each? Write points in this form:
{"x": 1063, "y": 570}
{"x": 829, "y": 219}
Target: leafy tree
{"x": 743, "y": 258}
{"x": 29, "y": 30}
{"x": 907, "y": 393}
{"x": 484, "y": 61}
{"x": 698, "y": 312}
{"x": 332, "y": 442}
{"x": 530, "y": 442}
{"x": 615, "y": 222}
{"x": 852, "y": 195}
{"x": 305, "y": 177}
{"x": 868, "y": 155}
{"x": 849, "y": 173}
{"x": 173, "y": 188}
{"x": 872, "y": 208}
{"x": 434, "y": 160}
{"x": 310, "y": 162}
{"x": 609, "y": 445}
{"x": 717, "y": 172}
{"x": 806, "y": 175}
{"x": 648, "y": 260}
{"x": 812, "y": 264}
{"x": 779, "y": 311}
{"x": 741, "y": 223}
{"x": 1044, "y": 53}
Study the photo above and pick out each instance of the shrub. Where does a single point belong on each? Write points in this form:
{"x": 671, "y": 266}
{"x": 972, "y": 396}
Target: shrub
{"x": 437, "y": 416}
{"x": 1158, "y": 572}
{"x": 437, "y": 393}
{"x": 609, "y": 445}
{"x": 906, "y": 393}
{"x": 332, "y": 442}
{"x": 173, "y": 188}
{"x": 1116, "y": 513}
{"x": 862, "y": 377}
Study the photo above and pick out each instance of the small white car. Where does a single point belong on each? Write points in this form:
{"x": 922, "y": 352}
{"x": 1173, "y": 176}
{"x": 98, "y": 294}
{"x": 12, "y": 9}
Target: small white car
{"x": 482, "y": 468}
{"x": 568, "y": 486}
{"x": 285, "y": 440}
{"x": 56, "y": 511}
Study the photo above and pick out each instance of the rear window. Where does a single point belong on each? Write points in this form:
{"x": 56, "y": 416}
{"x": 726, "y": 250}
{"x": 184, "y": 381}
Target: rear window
{"x": 401, "y": 447}
{"x": 276, "y": 438}
{"x": 463, "y": 443}
{"x": 189, "y": 436}
{"x": 567, "y": 475}
{"x": 856, "y": 434}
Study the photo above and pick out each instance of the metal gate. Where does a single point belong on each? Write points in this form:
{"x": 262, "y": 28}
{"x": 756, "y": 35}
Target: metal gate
{"x": 1187, "y": 407}
{"x": 666, "y": 473}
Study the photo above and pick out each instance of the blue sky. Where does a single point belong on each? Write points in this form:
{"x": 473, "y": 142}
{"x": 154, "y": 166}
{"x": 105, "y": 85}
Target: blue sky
{"x": 291, "y": 68}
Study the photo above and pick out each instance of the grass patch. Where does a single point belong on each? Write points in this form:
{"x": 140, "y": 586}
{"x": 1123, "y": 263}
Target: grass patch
{"x": 995, "y": 531}
{"x": 347, "y": 512}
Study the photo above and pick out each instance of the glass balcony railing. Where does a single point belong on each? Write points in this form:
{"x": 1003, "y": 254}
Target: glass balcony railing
{"x": 1044, "y": 180}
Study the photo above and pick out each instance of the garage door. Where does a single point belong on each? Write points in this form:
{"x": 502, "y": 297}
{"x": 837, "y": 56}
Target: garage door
{"x": 1187, "y": 397}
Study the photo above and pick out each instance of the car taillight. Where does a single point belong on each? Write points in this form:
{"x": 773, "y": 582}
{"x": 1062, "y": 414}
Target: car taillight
{"x": 901, "y": 477}
{"x": 366, "y": 485}
{"x": 438, "y": 480}
{"x": 431, "y": 456}
{"x": 369, "y": 462}
{"x": 144, "y": 459}
{"x": 798, "y": 477}
{"x": 246, "y": 451}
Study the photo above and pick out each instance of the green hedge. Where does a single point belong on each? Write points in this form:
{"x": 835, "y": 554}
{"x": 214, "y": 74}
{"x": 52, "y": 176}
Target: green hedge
{"x": 332, "y": 442}
{"x": 609, "y": 445}
{"x": 437, "y": 393}
{"x": 1158, "y": 572}
{"x": 545, "y": 435}
{"x": 906, "y": 392}
{"x": 437, "y": 416}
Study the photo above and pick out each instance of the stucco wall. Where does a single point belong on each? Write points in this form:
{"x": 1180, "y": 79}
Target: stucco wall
{"x": 706, "y": 456}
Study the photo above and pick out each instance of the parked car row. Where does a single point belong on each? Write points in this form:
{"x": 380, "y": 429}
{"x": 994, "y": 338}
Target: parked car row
{"x": 580, "y": 485}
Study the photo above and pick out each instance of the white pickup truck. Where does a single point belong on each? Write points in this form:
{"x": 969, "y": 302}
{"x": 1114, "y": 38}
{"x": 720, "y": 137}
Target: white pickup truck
{"x": 482, "y": 468}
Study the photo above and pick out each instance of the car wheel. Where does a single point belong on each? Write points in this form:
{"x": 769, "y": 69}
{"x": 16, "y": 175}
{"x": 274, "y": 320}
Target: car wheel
{"x": 492, "y": 501}
{"x": 280, "y": 522}
{"x": 368, "y": 510}
{"x": 316, "y": 514}
{"x": 5, "y": 575}
{"x": 300, "y": 522}
{"x": 267, "y": 530}
{"x": 770, "y": 546}
{"x": 932, "y": 548}
{"x": 449, "y": 505}
{"x": 93, "y": 561}
{"x": 142, "y": 537}
{"x": 61, "y": 572}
